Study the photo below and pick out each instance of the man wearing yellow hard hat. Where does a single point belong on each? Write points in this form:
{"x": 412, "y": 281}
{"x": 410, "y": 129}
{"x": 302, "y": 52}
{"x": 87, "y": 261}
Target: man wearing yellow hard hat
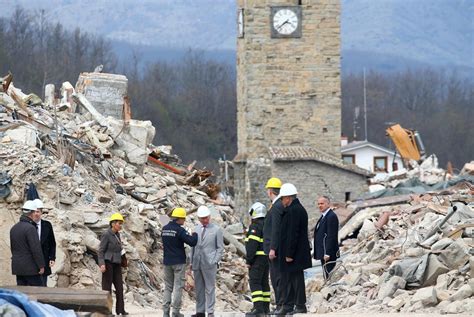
{"x": 271, "y": 233}
{"x": 110, "y": 261}
{"x": 174, "y": 236}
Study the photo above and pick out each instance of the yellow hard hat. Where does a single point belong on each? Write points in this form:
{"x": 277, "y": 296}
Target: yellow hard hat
{"x": 116, "y": 216}
{"x": 273, "y": 183}
{"x": 178, "y": 213}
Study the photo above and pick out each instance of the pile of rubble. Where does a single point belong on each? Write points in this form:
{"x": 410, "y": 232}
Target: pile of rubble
{"x": 405, "y": 253}
{"x": 86, "y": 167}
{"x": 417, "y": 179}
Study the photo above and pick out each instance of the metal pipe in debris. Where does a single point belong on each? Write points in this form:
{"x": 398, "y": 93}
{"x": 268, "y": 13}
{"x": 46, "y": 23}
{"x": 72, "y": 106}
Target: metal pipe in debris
{"x": 454, "y": 208}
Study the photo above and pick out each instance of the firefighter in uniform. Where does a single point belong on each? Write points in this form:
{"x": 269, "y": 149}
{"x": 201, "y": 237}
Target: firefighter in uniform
{"x": 257, "y": 262}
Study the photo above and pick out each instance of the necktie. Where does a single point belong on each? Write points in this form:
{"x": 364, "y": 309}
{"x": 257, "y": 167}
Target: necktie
{"x": 203, "y": 232}
{"x": 319, "y": 221}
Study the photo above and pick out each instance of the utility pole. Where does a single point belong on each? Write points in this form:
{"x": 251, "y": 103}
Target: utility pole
{"x": 365, "y": 108}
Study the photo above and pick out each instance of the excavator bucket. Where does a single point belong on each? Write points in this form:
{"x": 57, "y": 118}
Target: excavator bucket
{"x": 405, "y": 142}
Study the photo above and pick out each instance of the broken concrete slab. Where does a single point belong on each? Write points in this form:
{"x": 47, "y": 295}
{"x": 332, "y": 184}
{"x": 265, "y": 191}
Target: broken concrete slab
{"x": 426, "y": 295}
{"x": 104, "y": 91}
{"x": 388, "y": 289}
{"x": 464, "y": 292}
{"x": 23, "y": 134}
{"x": 455, "y": 255}
{"x": 435, "y": 268}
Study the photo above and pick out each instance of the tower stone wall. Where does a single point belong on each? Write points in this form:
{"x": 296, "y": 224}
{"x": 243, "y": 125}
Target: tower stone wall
{"x": 289, "y": 88}
{"x": 288, "y": 95}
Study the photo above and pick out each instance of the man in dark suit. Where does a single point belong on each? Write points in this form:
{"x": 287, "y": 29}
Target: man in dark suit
{"x": 326, "y": 245}
{"x": 48, "y": 242}
{"x": 294, "y": 252}
{"x": 271, "y": 234}
{"x": 27, "y": 259}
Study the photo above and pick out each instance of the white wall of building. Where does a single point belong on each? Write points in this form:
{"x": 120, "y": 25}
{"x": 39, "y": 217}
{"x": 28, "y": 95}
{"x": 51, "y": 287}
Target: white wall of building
{"x": 364, "y": 158}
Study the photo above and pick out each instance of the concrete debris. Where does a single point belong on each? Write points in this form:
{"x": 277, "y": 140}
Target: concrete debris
{"x": 88, "y": 166}
{"x": 468, "y": 169}
{"x": 427, "y": 296}
{"x": 402, "y": 254}
{"x": 389, "y": 288}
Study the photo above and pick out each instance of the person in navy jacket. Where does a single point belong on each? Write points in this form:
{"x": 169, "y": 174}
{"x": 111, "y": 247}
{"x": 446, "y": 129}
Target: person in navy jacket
{"x": 174, "y": 237}
{"x": 326, "y": 245}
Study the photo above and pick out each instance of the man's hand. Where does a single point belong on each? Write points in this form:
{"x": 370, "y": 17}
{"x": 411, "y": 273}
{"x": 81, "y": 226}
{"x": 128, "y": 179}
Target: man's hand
{"x": 271, "y": 254}
{"x": 51, "y": 263}
{"x": 102, "y": 268}
{"x": 41, "y": 271}
{"x": 326, "y": 258}
{"x": 288, "y": 259}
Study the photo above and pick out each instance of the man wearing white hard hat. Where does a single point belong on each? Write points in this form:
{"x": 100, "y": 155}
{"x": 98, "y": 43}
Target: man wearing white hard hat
{"x": 48, "y": 242}
{"x": 27, "y": 258}
{"x": 205, "y": 260}
{"x": 294, "y": 256}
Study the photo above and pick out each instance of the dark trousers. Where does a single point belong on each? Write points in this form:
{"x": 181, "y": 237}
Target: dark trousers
{"x": 327, "y": 268}
{"x": 44, "y": 279}
{"x": 293, "y": 290}
{"x": 113, "y": 275}
{"x": 258, "y": 281}
{"x": 275, "y": 277}
{"x": 29, "y": 280}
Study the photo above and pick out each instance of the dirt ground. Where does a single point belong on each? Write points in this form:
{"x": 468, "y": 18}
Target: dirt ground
{"x": 140, "y": 312}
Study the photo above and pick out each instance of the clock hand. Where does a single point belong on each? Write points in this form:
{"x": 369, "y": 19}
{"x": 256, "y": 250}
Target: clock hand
{"x": 281, "y": 25}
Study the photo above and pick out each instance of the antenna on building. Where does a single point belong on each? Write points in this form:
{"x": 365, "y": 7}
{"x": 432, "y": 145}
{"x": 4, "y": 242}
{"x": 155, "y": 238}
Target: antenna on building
{"x": 365, "y": 108}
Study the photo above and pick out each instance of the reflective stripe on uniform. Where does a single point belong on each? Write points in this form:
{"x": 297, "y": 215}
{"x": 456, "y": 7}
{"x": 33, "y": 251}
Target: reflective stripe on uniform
{"x": 254, "y": 238}
{"x": 260, "y": 253}
{"x": 260, "y": 299}
{"x": 260, "y": 296}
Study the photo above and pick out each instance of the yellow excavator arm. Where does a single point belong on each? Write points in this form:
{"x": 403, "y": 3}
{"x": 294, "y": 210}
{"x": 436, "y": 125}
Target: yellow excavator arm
{"x": 407, "y": 142}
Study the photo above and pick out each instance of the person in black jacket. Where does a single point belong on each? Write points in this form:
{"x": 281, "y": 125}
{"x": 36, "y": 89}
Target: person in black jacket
{"x": 294, "y": 256}
{"x": 271, "y": 234}
{"x": 326, "y": 245}
{"x": 27, "y": 258}
{"x": 257, "y": 262}
{"x": 48, "y": 242}
{"x": 110, "y": 261}
{"x": 174, "y": 237}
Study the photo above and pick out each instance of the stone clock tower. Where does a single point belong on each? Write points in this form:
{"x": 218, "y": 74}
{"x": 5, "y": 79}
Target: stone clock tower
{"x": 288, "y": 90}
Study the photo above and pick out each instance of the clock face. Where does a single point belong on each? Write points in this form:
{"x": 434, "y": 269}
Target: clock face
{"x": 240, "y": 23}
{"x": 285, "y": 21}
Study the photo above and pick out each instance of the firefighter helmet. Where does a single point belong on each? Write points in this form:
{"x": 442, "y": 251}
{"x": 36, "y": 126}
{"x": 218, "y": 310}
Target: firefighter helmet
{"x": 258, "y": 210}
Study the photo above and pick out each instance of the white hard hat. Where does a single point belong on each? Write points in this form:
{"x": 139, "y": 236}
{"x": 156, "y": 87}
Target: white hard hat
{"x": 258, "y": 210}
{"x": 29, "y": 206}
{"x": 39, "y": 203}
{"x": 203, "y": 211}
{"x": 288, "y": 189}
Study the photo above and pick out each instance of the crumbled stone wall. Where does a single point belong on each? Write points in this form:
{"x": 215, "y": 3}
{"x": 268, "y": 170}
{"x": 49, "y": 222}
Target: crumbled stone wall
{"x": 104, "y": 91}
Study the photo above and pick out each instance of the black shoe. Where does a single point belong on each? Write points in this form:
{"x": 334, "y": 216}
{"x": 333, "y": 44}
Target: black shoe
{"x": 255, "y": 312}
{"x": 199, "y": 315}
{"x": 123, "y": 313}
{"x": 301, "y": 310}
{"x": 283, "y": 311}
{"x": 275, "y": 310}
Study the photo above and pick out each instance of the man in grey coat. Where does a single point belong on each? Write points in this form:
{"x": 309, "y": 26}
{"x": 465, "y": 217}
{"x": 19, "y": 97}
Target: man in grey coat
{"x": 205, "y": 260}
{"x": 27, "y": 257}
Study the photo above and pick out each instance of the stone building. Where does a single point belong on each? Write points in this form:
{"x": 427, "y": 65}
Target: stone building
{"x": 289, "y": 97}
